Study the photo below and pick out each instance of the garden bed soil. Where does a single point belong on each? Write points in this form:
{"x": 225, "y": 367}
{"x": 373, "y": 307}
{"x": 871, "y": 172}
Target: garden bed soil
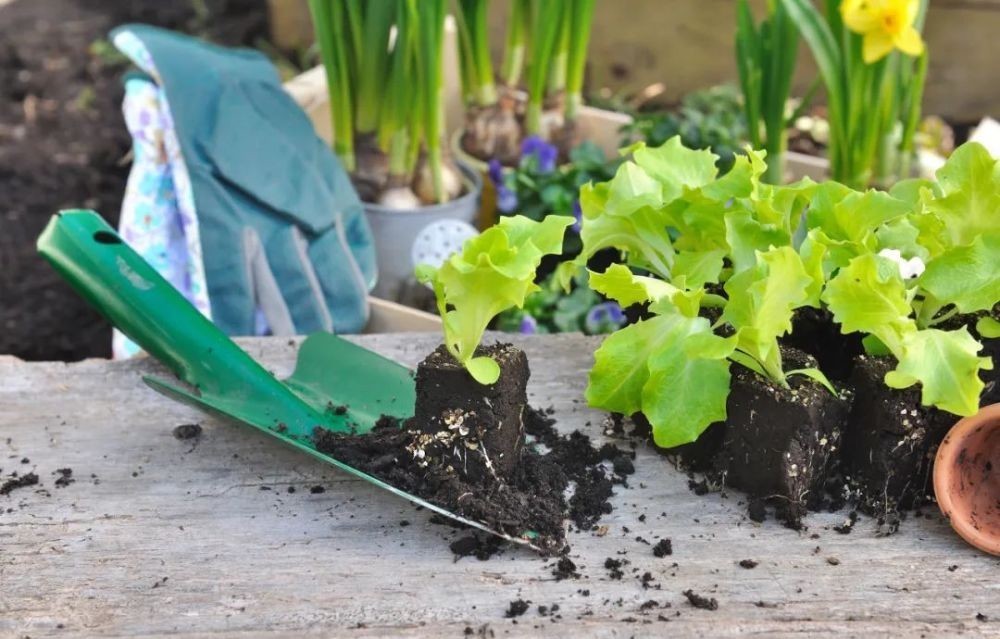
{"x": 63, "y": 144}
{"x": 428, "y": 455}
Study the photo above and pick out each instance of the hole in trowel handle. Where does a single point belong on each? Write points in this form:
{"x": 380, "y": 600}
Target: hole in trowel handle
{"x": 106, "y": 237}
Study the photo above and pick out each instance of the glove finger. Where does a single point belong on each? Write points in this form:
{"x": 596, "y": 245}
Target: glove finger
{"x": 299, "y": 284}
{"x": 267, "y": 295}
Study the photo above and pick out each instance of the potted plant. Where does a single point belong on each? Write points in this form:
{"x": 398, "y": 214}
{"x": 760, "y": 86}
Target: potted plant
{"x": 915, "y": 272}
{"x": 383, "y": 62}
{"x": 464, "y": 448}
{"x": 721, "y": 286}
{"x": 873, "y": 64}
{"x": 546, "y": 44}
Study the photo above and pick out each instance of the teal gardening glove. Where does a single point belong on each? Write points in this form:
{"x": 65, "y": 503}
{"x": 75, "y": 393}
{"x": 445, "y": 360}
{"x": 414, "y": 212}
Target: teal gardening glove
{"x": 283, "y": 235}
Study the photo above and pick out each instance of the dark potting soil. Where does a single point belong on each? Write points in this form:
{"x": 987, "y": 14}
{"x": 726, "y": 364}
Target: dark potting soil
{"x": 814, "y": 332}
{"x": 63, "y": 144}
{"x": 779, "y": 442}
{"x": 187, "y": 431}
{"x": 889, "y": 441}
{"x": 21, "y": 481}
{"x": 440, "y": 455}
{"x": 699, "y": 601}
{"x": 663, "y": 548}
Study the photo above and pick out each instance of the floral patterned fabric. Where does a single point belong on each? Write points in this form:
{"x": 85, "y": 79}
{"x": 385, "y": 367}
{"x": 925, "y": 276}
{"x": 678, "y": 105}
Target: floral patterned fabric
{"x": 158, "y": 216}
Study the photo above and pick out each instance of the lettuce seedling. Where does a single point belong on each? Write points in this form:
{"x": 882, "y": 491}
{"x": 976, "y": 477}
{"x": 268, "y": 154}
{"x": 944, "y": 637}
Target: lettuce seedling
{"x": 673, "y": 217}
{"x": 950, "y": 228}
{"x": 493, "y": 272}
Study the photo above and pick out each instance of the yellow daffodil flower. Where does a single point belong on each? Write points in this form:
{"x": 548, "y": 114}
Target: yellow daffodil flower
{"x": 885, "y": 25}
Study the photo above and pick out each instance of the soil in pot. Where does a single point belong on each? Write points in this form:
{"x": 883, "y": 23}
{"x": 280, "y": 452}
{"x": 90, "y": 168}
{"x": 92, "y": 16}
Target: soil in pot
{"x": 779, "y": 442}
{"x": 889, "y": 441}
{"x": 466, "y": 449}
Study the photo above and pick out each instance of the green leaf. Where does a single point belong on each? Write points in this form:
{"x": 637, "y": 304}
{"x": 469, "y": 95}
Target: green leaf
{"x": 966, "y": 276}
{"x": 621, "y": 365}
{"x": 746, "y": 236}
{"x": 970, "y": 188}
{"x": 483, "y": 369}
{"x": 856, "y": 216}
{"x": 761, "y": 303}
{"x": 642, "y": 234}
{"x": 699, "y": 267}
{"x": 874, "y": 346}
{"x": 741, "y": 179}
{"x": 619, "y": 283}
{"x": 946, "y": 365}
{"x": 676, "y": 167}
{"x": 684, "y": 397}
{"x": 632, "y": 189}
{"x": 816, "y": 375}
{"x": 902, "y": 235}
{"x": 870, "y": 296}
{"x": 988, "y": 328}
{"x": 911, "y": 190}
{"x": 494, "y": 271}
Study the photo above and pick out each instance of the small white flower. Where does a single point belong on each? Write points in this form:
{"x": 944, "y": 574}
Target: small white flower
{"x": 912, "y": 267}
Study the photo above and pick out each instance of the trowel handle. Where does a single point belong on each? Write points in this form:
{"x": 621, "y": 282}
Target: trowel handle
{"x": 124, "y": 287}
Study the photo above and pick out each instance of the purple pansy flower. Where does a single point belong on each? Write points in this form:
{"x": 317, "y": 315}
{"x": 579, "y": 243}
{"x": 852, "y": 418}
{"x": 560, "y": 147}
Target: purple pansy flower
{"x": 545, "y": 153}
{"x": 495, "y": 171}
{"x": 528, "y": 325}
{"x": 578, "y": 216}
{"x": 603, "y": 318}
{"x": 506, "y": 197}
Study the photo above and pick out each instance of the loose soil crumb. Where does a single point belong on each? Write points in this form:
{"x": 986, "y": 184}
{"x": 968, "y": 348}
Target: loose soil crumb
{"x": 28, "y": 479}
{"x": 698, "y": 601}
{"x": 65, "y": 477}
{"x": 614, "y": 567}
{"x": 565, "y": 569}
{"x": 482, "y": 547}
{"x": 187, "y": 431}
{"x": 848, "y": 525}
{"x": 532, "y": 498}
{"x": 663, "y": 548}
{"x": 517, "y": 608}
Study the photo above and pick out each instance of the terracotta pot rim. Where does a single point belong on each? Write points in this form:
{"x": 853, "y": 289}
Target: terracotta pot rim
{"x": 944, "y": 466}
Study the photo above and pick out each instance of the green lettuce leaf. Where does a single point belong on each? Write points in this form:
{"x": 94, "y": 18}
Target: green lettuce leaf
{"x": 969, "y": 204}
{"x": 646, "y": 367}
{"x": 619, "y": 283}
{"x": 946, "y": 365}
{"x": 642, "y": 233}
{"x": 988, "y": 328}
{"x": 621, "y": 365}
{"x": 762, "y": 300}
{"x": 966, "y": 276}
{"x": 494, "y": 271}
{"x": 676, "y": 167}
{"x": 869, "y": 296}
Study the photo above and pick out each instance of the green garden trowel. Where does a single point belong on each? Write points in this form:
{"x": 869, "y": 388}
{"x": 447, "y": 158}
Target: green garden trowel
{"x": 222, "y": 378}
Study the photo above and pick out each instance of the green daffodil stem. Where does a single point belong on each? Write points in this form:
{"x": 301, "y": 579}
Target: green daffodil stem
{"x": 581, "y": 16}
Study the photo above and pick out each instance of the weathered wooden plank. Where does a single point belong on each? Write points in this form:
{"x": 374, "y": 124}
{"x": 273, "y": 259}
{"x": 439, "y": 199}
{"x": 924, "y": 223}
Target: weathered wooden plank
{"x": 240, "y": 561}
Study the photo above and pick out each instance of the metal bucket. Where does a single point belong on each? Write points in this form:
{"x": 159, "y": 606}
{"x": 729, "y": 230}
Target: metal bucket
{"x": 394, "y": 231}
